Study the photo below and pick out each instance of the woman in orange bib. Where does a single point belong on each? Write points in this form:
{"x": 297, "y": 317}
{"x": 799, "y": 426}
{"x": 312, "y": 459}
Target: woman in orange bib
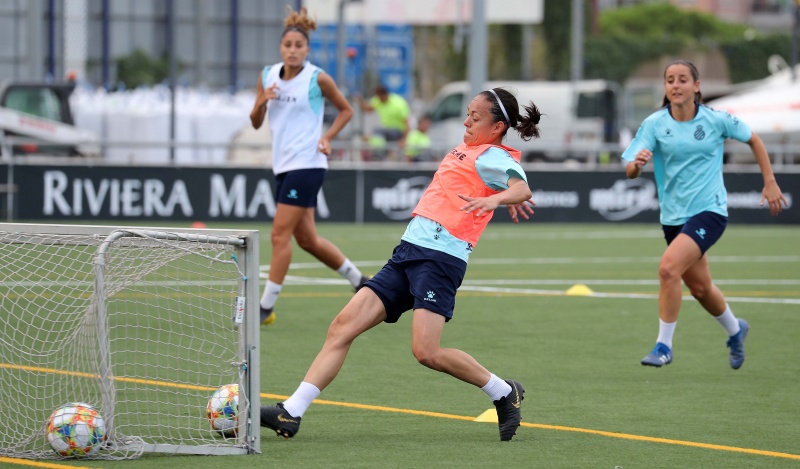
{"x": 427, "y": 267}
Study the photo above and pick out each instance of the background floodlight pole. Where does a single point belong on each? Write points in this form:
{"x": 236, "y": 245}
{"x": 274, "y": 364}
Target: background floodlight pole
{"x": 795, "y": 38}
{"x": 234, "y": 31}
{"x": 478, "y": 47}
{"x": 341, "y": 56}
{"x": 576, "y": 69}
{"x": 171, "y": 51}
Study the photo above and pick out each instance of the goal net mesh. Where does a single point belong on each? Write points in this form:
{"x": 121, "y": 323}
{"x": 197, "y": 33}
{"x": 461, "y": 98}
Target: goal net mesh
{"x": 168, "y": 328}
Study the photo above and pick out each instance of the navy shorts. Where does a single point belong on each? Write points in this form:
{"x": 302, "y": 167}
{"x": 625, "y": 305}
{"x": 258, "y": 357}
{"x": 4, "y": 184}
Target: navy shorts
{"x": 705, "y": 229}
{"x": 417, "y": 277}
{"x": 299, "y": 187}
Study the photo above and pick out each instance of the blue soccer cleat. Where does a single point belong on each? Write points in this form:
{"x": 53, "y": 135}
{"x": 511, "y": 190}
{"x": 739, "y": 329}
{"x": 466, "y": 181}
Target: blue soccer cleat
{"x": 660, "y": 356}
{"x": 736, "y": 344}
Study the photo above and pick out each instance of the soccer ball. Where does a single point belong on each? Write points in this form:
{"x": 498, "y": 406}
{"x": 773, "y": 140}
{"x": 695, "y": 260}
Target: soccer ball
{"x": 223, "y": 410}
{"x": 76, "y": 430}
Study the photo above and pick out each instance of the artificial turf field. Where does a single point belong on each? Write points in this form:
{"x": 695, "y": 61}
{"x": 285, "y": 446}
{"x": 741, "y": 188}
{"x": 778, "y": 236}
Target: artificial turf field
{"x": 589, "y": 403}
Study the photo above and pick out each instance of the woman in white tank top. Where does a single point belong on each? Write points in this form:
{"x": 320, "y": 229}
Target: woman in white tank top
{"x": 292, "y": 93}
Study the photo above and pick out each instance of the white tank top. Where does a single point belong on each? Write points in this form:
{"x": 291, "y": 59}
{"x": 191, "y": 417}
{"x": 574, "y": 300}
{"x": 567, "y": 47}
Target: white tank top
{"x": 295, "y": 119}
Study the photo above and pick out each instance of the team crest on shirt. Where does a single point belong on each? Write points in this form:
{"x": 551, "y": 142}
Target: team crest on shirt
{"x": 699, "y": 133}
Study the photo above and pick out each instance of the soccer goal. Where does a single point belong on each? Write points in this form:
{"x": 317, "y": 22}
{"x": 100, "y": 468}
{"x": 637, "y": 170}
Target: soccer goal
{"x": 142, "y": 324}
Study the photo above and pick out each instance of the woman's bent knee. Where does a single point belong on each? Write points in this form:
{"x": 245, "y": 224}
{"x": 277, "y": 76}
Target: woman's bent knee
{"x": 306, "y": 243}
{"x": 425, "y": 357}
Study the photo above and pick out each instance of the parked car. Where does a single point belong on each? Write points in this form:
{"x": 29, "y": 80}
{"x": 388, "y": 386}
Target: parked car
{"x": 575, "y": 115}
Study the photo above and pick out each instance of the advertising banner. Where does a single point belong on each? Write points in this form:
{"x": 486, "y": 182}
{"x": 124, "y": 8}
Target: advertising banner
{"x": 209, "y": 194}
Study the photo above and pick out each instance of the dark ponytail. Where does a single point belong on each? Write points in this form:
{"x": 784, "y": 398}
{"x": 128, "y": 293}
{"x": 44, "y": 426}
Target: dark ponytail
{"x": 526, "y": 126}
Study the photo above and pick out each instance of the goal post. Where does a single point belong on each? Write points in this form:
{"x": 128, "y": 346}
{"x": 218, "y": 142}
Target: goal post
{"x": 144, "y": 324}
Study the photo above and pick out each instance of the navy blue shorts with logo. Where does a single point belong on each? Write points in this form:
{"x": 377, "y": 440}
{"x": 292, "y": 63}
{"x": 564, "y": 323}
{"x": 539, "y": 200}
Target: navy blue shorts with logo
{"x": 417, "y": 277}
{"x": 299, "y": 187}
{"x": 705, "y": 229}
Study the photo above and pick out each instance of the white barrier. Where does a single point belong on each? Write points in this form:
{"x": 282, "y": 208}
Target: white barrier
{"x": 135, "y": 124}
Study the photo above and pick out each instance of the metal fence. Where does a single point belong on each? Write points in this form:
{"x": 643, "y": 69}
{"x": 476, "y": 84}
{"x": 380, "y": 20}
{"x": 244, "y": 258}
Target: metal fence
{"x": 218, "y": 43}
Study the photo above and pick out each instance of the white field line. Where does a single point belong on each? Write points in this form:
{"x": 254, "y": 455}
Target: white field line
{"x": 528, "y": 291}
{"x": 300, "y": 280}
{"x": 568, "y": 260}
{"x": 473, "y": 286}
{"x": 613, "y": 234}
{"x": 559, "y": 235}
{"x": 733, "y": 281}
{"x": 89, "y": 283}
{"x": 480, "y": 286}
{"x": 486, "y": 285}
{"x": 629, "y": 260}
{"x": 549, "y": 235}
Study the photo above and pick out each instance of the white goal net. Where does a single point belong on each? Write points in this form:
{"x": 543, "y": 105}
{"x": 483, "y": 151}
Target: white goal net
{"x": 143, "y": 324}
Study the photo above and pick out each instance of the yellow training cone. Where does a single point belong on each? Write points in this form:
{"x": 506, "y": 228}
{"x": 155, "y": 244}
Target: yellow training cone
{"x": 579, "y": 290}
{"x": 488, "y": 416}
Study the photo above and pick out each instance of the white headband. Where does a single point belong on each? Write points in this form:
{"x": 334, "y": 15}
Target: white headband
{"x": 505, "y": 114}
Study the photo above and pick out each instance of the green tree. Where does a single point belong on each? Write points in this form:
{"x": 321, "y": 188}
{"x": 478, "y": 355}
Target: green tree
{"x": 627, "y": 38}
{"x": 747, "y": 57}
{"x": 139, "y": 68}
{"x": 505, "y": 55}
{"x": 630, "y": 37}
{"x": 556, "y": 31}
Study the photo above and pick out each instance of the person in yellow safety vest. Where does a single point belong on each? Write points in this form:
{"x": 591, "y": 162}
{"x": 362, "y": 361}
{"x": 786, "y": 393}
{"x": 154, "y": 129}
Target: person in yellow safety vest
{"x": 418, "y": 142}
{"x": 394, "y": 112}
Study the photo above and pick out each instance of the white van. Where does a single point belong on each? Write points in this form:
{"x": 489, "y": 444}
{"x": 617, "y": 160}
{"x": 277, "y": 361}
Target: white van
{"x": 575, "y": 116}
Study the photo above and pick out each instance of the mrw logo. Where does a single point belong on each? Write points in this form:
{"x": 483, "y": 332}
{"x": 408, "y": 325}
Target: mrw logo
{"x": 625, "y": 199}
{"x": 398, "y": 202}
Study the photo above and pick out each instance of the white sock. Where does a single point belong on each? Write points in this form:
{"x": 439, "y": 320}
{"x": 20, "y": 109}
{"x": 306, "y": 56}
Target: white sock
{"x": 349, "y": 271}
{"x": 728, "y": 321}
{"x": 496, "y": 388}
{"x": 299, "y": 402}
{"x": 665, "y": 332}
{"x": 270, "y": 296}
